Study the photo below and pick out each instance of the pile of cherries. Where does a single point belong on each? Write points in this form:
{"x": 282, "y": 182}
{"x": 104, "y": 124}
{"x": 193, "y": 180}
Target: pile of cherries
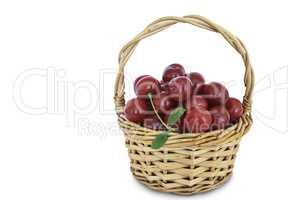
{"x": 207, "y": 105}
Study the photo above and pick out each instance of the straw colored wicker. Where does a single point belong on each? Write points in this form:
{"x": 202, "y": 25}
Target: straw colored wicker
{"x": 188, "y": 163}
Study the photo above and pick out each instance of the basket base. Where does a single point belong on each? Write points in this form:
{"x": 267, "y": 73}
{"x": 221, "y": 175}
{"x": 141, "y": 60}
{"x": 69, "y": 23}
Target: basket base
{"x": 183, "y": 190}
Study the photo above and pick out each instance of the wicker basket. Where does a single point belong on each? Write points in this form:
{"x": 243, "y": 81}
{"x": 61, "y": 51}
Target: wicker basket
{"x": 188, "y": 163}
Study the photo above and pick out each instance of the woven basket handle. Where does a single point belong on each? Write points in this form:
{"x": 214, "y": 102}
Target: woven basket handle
{"x": 165, "y": 22}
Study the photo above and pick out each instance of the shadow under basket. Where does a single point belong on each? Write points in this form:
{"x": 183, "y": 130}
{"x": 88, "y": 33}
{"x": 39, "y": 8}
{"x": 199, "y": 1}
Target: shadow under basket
{"x": 191, "y": 162}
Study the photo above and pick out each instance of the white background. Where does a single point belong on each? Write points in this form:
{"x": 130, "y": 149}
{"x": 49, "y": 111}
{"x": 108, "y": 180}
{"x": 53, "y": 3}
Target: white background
{"x": 47, "y": 152}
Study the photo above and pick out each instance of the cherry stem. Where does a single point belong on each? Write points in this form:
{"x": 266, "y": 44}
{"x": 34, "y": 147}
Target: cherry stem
{"x": 157, "y": 115}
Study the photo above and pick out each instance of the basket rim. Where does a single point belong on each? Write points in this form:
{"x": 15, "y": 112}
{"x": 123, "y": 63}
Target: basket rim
{"x": 137, "y": 133}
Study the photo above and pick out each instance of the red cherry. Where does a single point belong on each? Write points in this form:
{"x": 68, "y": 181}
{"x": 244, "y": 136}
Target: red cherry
{"x": 164, "y": 103}
{"x": 136, "y": 110}
{"x": 215, "y": 93}
{"x": 196, "y": 121}
{"x": 153, "y": 123}
{"x": 235, "y": 109}
{"x": 220, "y": 117}
{"x": 164, "y": 86}
{"x": 196, "y": 88}
{"x": 180, "y": 88}
{"x": 137, "y": 79}
{"x": 196, "y": 78}
{"x": 173, "y": 71}
{"x": 197, "y": 102}
{"x": 222, "y": 90}
{"x": 147, "y": 85}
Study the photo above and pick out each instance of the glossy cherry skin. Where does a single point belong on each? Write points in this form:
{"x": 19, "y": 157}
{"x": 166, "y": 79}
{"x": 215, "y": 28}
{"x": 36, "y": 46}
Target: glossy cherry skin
{"x": 164, "y": 86}
{"x": 147, "y": 85}
{"x": 152, "y": 122}
{"x": 235, "y": 109}
{"x": 196, "y": 121}
{"x": 172, "y": 71}
{"x": 197, "y": 88}
{"x": 180, "y": 88}
{"x": 220, "y": 117}
{"x": 197, "y": 102}
{"x": 196, "y": 78}
{"x": 164, "y": 103}
{"x": 136, "y": 110}
{"x": 215, "y": 93}
{"x": 137, "y": 79}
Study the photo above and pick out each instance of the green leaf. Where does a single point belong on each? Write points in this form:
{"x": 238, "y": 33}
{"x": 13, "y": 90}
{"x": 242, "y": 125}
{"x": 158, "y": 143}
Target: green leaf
{"x": 160, "y": 140}
{"x": 175, "y": 115}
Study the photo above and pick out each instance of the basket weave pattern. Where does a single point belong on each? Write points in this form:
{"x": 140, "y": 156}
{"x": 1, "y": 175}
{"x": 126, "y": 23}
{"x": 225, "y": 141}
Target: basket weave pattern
{"x": 188, "y": 163}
